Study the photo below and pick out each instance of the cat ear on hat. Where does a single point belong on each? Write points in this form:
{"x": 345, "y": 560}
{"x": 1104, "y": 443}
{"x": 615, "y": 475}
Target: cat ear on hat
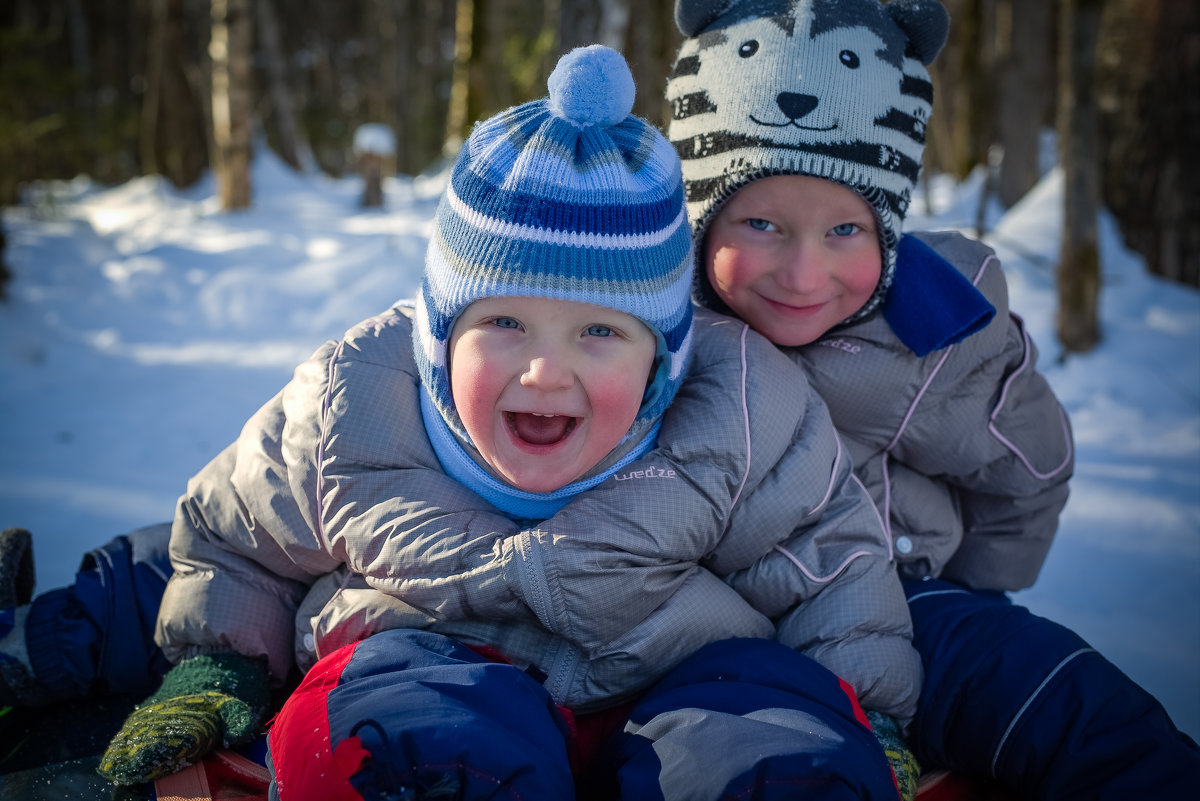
{"x": 925, "y": 22}
{"x": 692, "y": 17}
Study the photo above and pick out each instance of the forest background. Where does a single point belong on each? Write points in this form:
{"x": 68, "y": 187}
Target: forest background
{"x": 123, "y": 88}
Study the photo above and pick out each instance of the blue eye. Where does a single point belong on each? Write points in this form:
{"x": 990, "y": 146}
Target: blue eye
{"x": 849, "y": 58}
{"x": 748, "y": 48}
{"x": 759, "y": 224}
{"x": 505, "y": 322}
{"x": 599, "y": 331}
{"x": 845, "y": 229}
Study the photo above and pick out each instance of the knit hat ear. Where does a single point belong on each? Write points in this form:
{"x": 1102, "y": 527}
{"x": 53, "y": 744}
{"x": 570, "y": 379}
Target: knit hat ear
{"x": 568, "y": 197}
{"x": 834, "y": 89}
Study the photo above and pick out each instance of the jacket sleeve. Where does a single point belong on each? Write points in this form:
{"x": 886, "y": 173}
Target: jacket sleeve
{"x": 1011, "y": 503}
{"x": 807, "y": 548}
{"x": 989, "y": 424}
{"x": 242, "y": 555}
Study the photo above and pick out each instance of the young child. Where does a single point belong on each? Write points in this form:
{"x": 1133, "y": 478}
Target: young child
{"x": 801, "y": 127}
{"x": 406, "y": 464}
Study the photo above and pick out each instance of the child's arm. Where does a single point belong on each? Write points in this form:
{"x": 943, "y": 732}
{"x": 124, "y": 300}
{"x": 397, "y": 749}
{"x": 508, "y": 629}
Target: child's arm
{"x": 806, "y": 547}
{"x": 1011, "y": 504}
{"x": 242, "y": 555}
{"x": 987, "y": 423}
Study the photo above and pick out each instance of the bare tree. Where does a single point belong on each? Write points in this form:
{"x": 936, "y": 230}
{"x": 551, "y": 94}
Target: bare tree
{"x": 1079, "y": 261}
{"x": 292, "y": 147}
{"x": 231, "y": 48}
{"x": 1024, "y": 52}
{"x": 458, "y": 116}
{"x": 614, "y": 23}
{"x": 1149, "y": 85}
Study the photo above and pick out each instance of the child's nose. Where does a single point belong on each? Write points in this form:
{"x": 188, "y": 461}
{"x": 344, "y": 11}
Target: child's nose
{"x": 802, "y": 272}
{"x": 548, "y": 372}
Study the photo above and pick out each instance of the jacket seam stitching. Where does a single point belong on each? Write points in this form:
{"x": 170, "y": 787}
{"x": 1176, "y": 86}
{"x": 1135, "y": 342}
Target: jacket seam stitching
{"x": 326, "y": 406}
{"x": 820, "y": 579}
{"x": 995, "y": 432}
{"x": 745, "y": 419}
{"x": 1029, "y": 701}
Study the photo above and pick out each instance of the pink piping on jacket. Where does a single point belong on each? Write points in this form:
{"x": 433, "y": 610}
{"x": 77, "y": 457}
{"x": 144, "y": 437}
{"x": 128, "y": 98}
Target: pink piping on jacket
{"x": 887, "y": 484}
{"x": 326, "y": 405}
{"x": 828, "y": 490}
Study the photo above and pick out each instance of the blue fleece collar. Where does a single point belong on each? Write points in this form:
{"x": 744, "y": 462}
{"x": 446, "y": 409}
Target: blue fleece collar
{"x": 931, "y": 305}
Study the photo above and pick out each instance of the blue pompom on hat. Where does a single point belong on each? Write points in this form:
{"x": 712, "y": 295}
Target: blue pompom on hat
{"x": 568, "y": 197}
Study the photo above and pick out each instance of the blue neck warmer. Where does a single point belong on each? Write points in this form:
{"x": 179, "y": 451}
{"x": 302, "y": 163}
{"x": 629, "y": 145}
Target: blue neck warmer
{"x": 515, "y": 503}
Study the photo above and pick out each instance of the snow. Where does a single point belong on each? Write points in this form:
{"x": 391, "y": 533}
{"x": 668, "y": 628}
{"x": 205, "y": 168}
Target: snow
{"x": 144, "y": 326}
{"x": 374, "y": 137}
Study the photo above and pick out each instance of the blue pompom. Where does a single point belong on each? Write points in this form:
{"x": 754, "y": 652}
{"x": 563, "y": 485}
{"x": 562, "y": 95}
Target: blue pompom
{"x": 591, "y": 86}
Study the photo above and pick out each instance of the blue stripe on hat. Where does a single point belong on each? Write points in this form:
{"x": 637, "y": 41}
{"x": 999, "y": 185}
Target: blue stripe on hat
{"x": 507, "y": 257}
{"x": 582, "y": 213}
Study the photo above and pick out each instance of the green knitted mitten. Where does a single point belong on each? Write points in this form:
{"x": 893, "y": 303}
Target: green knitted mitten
{"x": 904, "y": 764}
{"x": 203, "y": 702}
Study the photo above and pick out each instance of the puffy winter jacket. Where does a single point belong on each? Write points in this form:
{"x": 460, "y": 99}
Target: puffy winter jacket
{"x": 745, "y": 520}
{"x": 965, "y": 449}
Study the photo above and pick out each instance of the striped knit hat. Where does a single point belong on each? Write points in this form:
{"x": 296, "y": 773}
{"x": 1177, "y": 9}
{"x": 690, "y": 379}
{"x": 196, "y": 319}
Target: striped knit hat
{"x": 567, "y": 197}
{"x": 833, "y": 89}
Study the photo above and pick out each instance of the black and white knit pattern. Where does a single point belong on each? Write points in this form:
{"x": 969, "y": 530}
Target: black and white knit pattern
{"x": 835, "y": 89}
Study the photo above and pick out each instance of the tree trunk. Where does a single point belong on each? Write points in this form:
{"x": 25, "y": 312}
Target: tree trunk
{"x": 1149, "y": 85}
{"x": 458, "y": 118}
{"x": 291, "y": 146}
{"x": 614, "y": 23}
{"x": 974, "y": 91}
{"x": 1079, "y": 262}
{"x": 1024, "y": 54}
{"x": 232, "y": 53}
{"x": 385, "y": 99}
{"x": 651, "y": 47}
{"x": 155, "y": 67}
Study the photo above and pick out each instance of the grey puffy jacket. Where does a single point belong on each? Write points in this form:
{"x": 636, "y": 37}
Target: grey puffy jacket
{"x": 966, "y": 450}
{"x": 745, "y": 520}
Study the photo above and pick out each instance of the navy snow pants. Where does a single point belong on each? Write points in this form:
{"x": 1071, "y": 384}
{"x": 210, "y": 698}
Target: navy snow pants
{"x": 406, "y": 711}
{"x": 1018, "y": 698}
{"x": 97, "y": 635}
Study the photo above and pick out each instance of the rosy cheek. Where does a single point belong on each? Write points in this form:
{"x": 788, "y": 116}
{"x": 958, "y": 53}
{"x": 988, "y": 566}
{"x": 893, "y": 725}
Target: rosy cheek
{"x": 864, "y": 277}
{"x": 616, "y": 400}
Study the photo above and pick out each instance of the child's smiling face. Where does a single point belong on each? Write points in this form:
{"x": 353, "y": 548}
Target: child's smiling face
{"x": 793, "y": 256}
{"x": 547, "y": 388}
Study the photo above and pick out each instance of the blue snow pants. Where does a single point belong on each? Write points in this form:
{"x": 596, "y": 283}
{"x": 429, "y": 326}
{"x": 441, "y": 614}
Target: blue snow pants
{"x": 409, "y": 711}
{"x": 1018, "y": 698}
{"x": 97, "y": 635}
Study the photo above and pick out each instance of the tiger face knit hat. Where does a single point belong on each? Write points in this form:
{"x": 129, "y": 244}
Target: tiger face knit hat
{"x": 567, "y": 197}
{"x": 833, "y": 89}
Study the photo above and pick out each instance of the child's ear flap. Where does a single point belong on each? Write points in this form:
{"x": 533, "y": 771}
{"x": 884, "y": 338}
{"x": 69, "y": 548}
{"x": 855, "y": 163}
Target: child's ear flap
{"x": 925, "y": 22}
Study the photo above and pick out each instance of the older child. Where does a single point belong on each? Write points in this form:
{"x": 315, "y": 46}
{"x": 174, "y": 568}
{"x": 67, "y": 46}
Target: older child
{"x": 801, "y": 128}
{"x": 549, "y": 336}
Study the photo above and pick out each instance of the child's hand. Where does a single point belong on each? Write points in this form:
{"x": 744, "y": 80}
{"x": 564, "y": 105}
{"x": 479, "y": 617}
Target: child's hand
{"x": 160, "y": 738}
{"x": 204, "y": 702}
{"x": 904, "y": 764}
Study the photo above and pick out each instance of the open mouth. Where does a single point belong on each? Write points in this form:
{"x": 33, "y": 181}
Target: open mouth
{"x": 540, "y": 429}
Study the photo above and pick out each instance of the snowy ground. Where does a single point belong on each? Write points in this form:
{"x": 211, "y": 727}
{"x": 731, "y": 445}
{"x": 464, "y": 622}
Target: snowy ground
{"x": 143, "y": 326}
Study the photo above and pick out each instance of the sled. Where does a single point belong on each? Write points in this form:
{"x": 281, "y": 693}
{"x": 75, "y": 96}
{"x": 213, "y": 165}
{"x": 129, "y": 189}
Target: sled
{"x": 227, "y": 775}
{"x": 51, "y": 753}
